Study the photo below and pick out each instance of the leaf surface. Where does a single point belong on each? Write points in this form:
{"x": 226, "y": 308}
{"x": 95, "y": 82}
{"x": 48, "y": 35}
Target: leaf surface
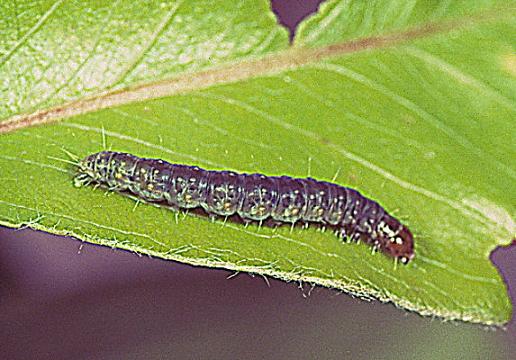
{"x": 413, "y": 108}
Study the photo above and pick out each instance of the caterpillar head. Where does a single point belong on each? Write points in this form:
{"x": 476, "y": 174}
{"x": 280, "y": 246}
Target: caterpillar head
{"x": 92, "y": 168}
{"x": 395, "y": 239}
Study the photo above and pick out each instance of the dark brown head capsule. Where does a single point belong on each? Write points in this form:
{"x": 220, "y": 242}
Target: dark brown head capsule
{"x": 395, "y": 239}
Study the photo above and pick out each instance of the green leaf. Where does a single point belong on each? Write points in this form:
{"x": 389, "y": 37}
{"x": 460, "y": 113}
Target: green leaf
{"x": 413, "y": 107}
{"x": 57, "y": 51}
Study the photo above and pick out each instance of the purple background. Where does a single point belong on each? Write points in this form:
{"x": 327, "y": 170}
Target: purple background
{"x": 62, "y": 299}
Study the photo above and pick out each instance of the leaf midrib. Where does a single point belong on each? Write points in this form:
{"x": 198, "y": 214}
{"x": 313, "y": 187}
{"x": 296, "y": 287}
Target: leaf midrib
{"x": 289, "y": 59}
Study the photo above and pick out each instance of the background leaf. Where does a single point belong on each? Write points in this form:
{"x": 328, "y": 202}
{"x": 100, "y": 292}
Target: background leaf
{"x": 407, "y": 110}
{"x": 57, "y": 51}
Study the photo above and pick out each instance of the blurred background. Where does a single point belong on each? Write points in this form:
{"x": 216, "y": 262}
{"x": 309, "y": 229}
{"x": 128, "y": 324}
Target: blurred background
{"x": 64, "y": 299}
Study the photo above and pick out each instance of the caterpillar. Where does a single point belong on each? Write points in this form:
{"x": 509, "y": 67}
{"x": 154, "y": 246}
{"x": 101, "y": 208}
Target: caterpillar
{"x": 251, "y": 197}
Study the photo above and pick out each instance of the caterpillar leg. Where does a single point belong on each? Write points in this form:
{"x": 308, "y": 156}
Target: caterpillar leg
{"x": 81, "y": 180}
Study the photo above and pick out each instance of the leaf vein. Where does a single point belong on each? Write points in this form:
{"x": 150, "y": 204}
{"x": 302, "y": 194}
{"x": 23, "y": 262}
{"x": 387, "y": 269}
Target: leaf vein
{"x": 30, "y": 32}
